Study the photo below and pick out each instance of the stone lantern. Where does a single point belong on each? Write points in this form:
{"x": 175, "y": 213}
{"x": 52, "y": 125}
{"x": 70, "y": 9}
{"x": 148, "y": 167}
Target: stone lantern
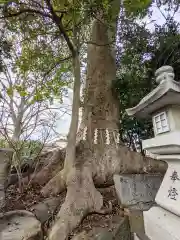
{"x": 162, "y": 221}
{"x": 163, "y": 105}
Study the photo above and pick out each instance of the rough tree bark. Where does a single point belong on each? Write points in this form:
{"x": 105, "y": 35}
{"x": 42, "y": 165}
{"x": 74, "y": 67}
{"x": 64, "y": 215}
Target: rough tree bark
{"x": 99, "y": 153}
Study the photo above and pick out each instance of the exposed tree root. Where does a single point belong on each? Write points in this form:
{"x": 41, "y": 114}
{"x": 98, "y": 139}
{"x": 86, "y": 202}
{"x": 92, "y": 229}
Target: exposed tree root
{"x": 98, "y": 169}
{"x": 56, "y": 185}
{"x": 104, "y": 211}
{"x": 82, "y": 198}
{"x": 105, "y": 165}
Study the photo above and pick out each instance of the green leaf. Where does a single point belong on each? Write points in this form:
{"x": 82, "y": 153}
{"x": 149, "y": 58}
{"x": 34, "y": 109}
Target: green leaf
{"x": 137, "y": 7}
{"x": 10, "y": 91}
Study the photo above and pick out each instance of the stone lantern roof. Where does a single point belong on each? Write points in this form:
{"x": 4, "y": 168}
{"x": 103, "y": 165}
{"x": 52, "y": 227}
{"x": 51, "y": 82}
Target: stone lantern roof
{"x": 166, "y": 93}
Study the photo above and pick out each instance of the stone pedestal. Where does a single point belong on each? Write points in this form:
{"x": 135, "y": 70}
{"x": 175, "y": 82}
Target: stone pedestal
{"x": 140, "y": 237}
{"x": 137, "y": 193}
{"x": 168, "y": 196}
{"x": 5, "y": 164}
{"x": 136, "y": 237}
{"x": 161, "y": 224}
{"x": 163, "y": 221}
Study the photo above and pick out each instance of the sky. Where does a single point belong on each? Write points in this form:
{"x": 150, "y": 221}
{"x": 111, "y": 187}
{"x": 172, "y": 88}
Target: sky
{"x": 64, "y": 122}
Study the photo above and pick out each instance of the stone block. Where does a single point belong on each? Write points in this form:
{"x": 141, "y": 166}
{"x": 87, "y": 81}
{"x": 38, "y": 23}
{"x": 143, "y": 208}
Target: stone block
{"x": 168, "y": 195}
{"x": 161, "y": 225}
{"x": 137, "y": 191}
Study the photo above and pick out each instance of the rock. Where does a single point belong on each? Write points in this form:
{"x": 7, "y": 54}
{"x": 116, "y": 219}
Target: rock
{"x": 44, "y": 210}
{"x": 20, "y": 224}
{"x": 137, "y": 191}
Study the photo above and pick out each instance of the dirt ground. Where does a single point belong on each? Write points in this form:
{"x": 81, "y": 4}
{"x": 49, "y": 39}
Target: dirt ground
{"x": 32, "y": 195}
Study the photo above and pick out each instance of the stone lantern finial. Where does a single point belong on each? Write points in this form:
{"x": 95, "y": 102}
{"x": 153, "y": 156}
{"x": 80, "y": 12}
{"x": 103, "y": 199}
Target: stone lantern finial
{"x": 164, "y": 73}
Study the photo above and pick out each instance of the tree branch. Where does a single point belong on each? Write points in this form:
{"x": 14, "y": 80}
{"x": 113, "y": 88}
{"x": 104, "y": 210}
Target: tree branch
{"x": 26, "y": 11}
{"x": 58, "y": 22}
{"x": 55, "y": 65}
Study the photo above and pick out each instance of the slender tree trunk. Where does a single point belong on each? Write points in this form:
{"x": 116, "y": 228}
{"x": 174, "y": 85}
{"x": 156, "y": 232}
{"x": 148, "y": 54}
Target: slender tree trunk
{"x": 71, "y": 144}
{"x": 60, "y": 180}
{"x": 14, "y": 144}
{"x": 17, "y": 130}
{"x": 17, "y": 120}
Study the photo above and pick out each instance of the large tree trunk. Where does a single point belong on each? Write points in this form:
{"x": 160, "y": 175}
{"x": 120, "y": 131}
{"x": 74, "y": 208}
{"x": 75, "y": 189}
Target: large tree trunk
{"x": 99, "y": 152}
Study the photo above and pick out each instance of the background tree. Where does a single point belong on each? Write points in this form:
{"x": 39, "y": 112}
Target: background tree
{"x": 24, "y": 108}
{"x": 25, "y": 104}
{"x": 141, "y": 50}
{"x": 24, "y": 117}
